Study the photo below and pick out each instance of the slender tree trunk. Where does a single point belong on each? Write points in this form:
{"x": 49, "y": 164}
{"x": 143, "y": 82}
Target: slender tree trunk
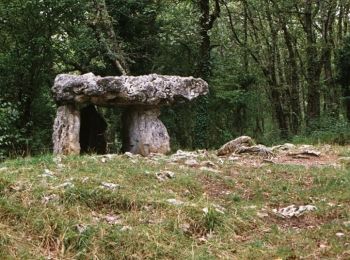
{"x": 206, "y": 22}
{"x": 313, "y": 67}
{"x": 293, "y": 81}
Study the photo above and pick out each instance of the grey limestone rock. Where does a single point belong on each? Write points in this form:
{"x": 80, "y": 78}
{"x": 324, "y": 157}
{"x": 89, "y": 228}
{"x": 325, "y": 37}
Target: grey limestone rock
{"x": 142, "y": 95}
{"x": 148, "y": 90}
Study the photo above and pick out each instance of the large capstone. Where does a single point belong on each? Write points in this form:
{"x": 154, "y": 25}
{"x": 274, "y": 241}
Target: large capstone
{"x": 148, "y": 90}
{"x": 142, "y": 98}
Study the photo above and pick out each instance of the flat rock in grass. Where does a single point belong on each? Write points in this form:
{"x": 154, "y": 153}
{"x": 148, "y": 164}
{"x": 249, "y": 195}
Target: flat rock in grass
{"x": 340, "y": 234}
{"x": 2, "y": 169}
{"x": 294, "y": 211}
{"x": 47, "y": 199}
{"x": 183, "y": 155}
{"x": 191, "y": 163}
{"x": 126, "y": 228}
{"x": 81, "y": 228}
{"x": 65, "y": 185}
{"x": 175, "y": 202}
{"x": 209, "y": 164}
{"x": 112, "y": 219}
{"x": 165, "y": 175}
{"x": 216, "y": 207}
{"x": 206, "y": 169}
{"x": 109, "y": 185}
{"x": 235, "y": 144}
{"x": 283, "y": 147}
{"x": 48, "y": 173}
{"x": 345, "y": 160}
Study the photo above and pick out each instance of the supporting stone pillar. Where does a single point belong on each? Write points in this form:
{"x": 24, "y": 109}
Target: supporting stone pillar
{"x": 66, "y": 131}
{"x": 144, "y": 133}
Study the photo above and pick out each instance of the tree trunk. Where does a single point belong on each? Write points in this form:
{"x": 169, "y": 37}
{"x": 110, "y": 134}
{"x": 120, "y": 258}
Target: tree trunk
{"x": 313, "y": 67}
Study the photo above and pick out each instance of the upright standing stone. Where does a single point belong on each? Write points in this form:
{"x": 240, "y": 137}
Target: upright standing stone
{"x": 144, "y": 132}
{"x": 66, "y": 130}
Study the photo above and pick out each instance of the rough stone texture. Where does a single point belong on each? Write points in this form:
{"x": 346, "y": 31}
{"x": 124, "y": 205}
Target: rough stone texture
{"x": 66, "y": 130}
{"x": 235, "y": 144}
{"x": 144, "y": 133}
{"x": 148, "y": 90}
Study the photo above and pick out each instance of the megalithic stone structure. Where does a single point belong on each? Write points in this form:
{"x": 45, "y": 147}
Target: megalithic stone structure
{"x": 142, "y": 96}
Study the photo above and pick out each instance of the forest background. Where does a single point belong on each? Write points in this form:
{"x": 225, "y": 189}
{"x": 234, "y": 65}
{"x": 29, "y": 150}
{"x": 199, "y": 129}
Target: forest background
{"x": 278, "y": 70}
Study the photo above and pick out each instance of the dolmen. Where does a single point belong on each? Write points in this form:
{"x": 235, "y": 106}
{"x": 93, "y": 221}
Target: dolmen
{"x": 78, "y": 125}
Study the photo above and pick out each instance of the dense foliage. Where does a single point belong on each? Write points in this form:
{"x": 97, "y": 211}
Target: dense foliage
{"x": 277, "y": 69}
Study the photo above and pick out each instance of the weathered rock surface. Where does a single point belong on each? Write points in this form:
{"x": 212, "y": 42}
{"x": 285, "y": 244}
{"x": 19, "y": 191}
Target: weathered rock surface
{"x": 148, "y": 90}
{"x": 144, "y": 133}
{"x": 235, "y": 144}
{"x": 66, "y": 131}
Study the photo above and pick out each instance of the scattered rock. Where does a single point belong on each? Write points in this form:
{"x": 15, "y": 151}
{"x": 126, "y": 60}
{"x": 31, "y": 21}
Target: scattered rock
{"x": 209, "y": 164}
{"x": 345, "y": 160}
{"x": 109, "y": 185}
{"x": 16, "y": 187}
{"x": 81, "y": 228}
{"x": 283, "y": 147}
{"x": 85, "y": 179}
{"x": 304, "y": 152}
{"x": 347, "y": 224}
{"x": 209, "y": 170}
{"x": 47, "y": 199}
{"x": 2, "y": 169}
{"x": 165, "y": 175}
{"x": 216, "y": 207}
{"x": 64, "y": 185}
{"x": 233, "y": 145}
{"x": 340, "y": 234}
{"x": 175, "y": 202}
{"x": 48, "y": 173}
{"x": 262, "y": 214}
{"x": 125, "y": 228}
{"x": 219, "y": 208}
{"x": 233, "y": 158}
{"x": 322, "y": 246}
{"x": 129, "y": 155}
{"x": 182, "y": 155}
{"x": 191, "y": 163}
{"x": 261, "y": 150}
{"x": 112, "y": 219}
{"x": 185, "y": 227}
{"x": 294, "y": 211}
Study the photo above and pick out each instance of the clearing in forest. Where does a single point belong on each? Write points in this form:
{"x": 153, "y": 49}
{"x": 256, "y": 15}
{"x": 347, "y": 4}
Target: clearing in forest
{"x": 189, "y": 205}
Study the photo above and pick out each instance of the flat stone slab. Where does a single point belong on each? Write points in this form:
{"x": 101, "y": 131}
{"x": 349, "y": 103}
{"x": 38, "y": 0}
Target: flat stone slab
{"x": 148, "y": 90}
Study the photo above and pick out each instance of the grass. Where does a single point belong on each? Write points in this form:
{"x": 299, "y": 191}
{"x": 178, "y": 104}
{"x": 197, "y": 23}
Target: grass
{"x": 74, "y": 223}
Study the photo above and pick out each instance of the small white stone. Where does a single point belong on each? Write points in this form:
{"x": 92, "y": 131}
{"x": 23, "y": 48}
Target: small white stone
{"x": 113, "y": 219}
{"x": 51, "y": 197}
{"x": 64, "y": 185}
{"x": 81, "y": 228}
{"x": 262, "y": 214}
{"x": 125, "y": 228}
{"x": 340, "y": 234}
{"x": 48, "y": 173}
{"x": 175, "y": 202}
{"x": 2, "y": 169}
{"x": 191, "y": 163}
{"x": 109, "y": 185}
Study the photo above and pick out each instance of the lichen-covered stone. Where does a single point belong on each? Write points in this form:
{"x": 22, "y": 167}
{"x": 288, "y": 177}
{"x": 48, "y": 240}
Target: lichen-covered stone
{"x": 144, "y": 132}
{"x": 66, "y": 129}
{"x": 148, "y": 90}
